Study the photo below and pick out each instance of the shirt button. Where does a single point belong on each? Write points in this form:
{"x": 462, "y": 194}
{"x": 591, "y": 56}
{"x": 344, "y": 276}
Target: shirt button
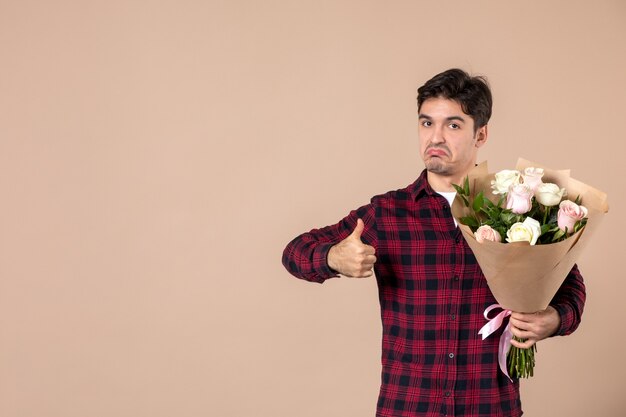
{"x": 456, "y": 277}
{"x": 452, "y": 316}
{"x": 451, "y": 355}
{"x": 447, "y": 393}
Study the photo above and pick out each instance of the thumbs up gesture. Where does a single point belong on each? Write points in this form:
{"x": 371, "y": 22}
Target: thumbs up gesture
{"x": 351, "y": 257}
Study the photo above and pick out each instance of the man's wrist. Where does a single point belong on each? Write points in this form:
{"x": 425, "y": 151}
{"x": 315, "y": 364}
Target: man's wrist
{"x": 330, "y": 258}
{"x": 560, "y": 314}
{"x": 555, "y": 318}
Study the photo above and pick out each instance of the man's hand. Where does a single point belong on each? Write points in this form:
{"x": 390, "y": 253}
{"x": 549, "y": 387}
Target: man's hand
{"x": 534, "y": 326}
{"x": 351, "y": 257}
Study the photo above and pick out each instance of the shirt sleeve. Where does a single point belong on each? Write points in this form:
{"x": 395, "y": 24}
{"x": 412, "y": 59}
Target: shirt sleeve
{"x": 306, "y": 256}
{"x": 569, "y": 302}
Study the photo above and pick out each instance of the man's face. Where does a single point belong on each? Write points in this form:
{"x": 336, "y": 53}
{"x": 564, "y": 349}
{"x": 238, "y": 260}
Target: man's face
{"x": 448, "y": 143}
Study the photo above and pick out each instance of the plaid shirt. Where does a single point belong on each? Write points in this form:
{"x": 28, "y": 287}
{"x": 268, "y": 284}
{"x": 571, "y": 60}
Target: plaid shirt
{"x": 432, "y": 297}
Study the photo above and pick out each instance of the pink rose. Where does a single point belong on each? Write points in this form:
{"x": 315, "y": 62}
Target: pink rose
{"x": 532, "y": 177}
{"x": 519, "y": 199}
{"x": 485, "y": 232}
{"x": 569, "y": 214}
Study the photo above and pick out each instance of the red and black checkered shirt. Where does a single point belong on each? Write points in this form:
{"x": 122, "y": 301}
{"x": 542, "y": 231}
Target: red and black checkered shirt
{"x": 432, "y": 298}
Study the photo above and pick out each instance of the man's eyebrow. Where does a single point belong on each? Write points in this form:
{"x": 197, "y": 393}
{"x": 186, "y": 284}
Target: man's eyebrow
{"x": 448, "y": 119}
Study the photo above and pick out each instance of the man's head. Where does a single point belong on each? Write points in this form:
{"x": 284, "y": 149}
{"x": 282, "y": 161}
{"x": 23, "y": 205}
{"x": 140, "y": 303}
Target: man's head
{"x": 472, "y": 93}
{"x": 454, "y": 109}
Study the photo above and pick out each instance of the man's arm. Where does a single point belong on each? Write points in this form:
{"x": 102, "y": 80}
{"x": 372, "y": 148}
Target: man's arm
{"x": 569, "y": 302}
{"x": 345, "y": 248}
{"x": 561, "y": 318}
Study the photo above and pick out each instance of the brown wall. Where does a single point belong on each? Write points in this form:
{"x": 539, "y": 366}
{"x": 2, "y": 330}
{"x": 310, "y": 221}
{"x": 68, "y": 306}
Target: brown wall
{"x": 156, "y": 156}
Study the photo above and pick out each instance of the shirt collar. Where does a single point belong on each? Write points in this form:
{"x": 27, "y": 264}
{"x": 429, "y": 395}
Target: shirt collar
{"x": 421, "y": 186}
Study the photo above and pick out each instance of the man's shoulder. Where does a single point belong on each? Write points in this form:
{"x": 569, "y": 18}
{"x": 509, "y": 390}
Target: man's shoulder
{"x": 399, "y": 195}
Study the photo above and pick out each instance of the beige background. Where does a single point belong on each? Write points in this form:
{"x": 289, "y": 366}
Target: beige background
{"x": 156, "y": 157}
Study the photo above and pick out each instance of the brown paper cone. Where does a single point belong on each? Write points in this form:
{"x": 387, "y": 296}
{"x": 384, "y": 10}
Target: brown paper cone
{"x": 522, "y": 277}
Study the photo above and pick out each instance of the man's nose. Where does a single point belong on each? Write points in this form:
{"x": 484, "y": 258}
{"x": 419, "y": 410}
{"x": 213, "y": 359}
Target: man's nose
{"x": 437, "y": 135}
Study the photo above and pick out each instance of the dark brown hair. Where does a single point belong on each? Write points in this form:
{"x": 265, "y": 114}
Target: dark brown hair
{"x": 472, "y": 93}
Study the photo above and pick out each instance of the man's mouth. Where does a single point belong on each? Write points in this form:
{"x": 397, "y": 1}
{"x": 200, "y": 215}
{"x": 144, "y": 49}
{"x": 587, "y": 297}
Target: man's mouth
{"x": 436, "y": 152}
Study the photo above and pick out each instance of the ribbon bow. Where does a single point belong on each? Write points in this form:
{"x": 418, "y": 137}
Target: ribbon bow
{"x": 505, "y": 340}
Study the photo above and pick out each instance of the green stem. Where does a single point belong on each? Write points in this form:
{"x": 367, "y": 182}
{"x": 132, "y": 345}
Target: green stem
{"x": 521, "y": 362}
{"x": 545, "y": 214}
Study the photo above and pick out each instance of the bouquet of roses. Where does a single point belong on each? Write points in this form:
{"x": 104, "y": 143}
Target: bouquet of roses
{"x": 529, "y": 210}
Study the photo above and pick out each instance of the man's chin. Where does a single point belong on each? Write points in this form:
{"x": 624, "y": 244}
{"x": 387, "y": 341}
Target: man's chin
{"x": 436, "y": 166}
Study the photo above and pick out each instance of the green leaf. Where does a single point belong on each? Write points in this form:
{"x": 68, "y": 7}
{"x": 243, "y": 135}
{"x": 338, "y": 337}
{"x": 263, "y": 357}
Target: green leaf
{"x": 470, "y": 221}
{"x": 478, "y": 201}
{"x": 466, "y": 188}
{"x": 558, "y": 235}
{"x": 489, "y": 213}
{"x": 458, "y": 189}
{"x": 545, "y": 229}
{"x": 507, "y": 217}
{"x": 578, "y": 200}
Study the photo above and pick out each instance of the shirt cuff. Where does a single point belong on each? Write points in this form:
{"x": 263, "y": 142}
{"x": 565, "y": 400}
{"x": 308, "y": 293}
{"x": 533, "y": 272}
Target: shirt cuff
{"x": 566, "y": 313}
{"x": 320, "y": 261}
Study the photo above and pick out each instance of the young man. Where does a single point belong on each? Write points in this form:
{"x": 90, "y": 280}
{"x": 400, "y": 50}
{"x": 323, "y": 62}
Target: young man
{"x": 431, "y": 289}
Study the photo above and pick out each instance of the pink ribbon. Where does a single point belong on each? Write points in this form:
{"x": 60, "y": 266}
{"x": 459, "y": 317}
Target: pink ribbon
{"x": 505, "y": 340}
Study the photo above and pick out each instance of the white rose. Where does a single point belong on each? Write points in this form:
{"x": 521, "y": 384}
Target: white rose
{"x": 504, "y": 179}
{"x": 549, "y": 194}
{"x": 528, "y": 231}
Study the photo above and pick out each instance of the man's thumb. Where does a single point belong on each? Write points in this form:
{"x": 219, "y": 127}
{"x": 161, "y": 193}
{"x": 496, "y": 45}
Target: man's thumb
{"x": 358, "y": 229}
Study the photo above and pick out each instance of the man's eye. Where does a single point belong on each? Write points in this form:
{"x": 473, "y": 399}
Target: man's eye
{"x": 426, "y": 123}
{"x": 454, "y": 126}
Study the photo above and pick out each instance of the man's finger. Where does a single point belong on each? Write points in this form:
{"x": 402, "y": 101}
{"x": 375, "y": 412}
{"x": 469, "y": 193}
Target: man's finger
{"x": 364, "y": 274}
{"x": 370, "y": 259}
{"x": 369, "y": 250}
{"x": 519, "y": 318}
{"x": 523, "y": 333}
{"x": 521, "y": 324}
{"x": 358, "y": 229}
{"x": 523, "y": 345}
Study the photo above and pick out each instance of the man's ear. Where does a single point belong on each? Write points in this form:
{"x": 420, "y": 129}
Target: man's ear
{"x": 481, "y": 136}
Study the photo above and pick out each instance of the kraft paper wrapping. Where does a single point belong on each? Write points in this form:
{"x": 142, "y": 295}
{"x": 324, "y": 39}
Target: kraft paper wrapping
{"x": 522, "y": 277}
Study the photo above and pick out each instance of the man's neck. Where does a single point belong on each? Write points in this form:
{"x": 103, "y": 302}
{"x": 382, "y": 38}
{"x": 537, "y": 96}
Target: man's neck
{"x": 442, "y": 183}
